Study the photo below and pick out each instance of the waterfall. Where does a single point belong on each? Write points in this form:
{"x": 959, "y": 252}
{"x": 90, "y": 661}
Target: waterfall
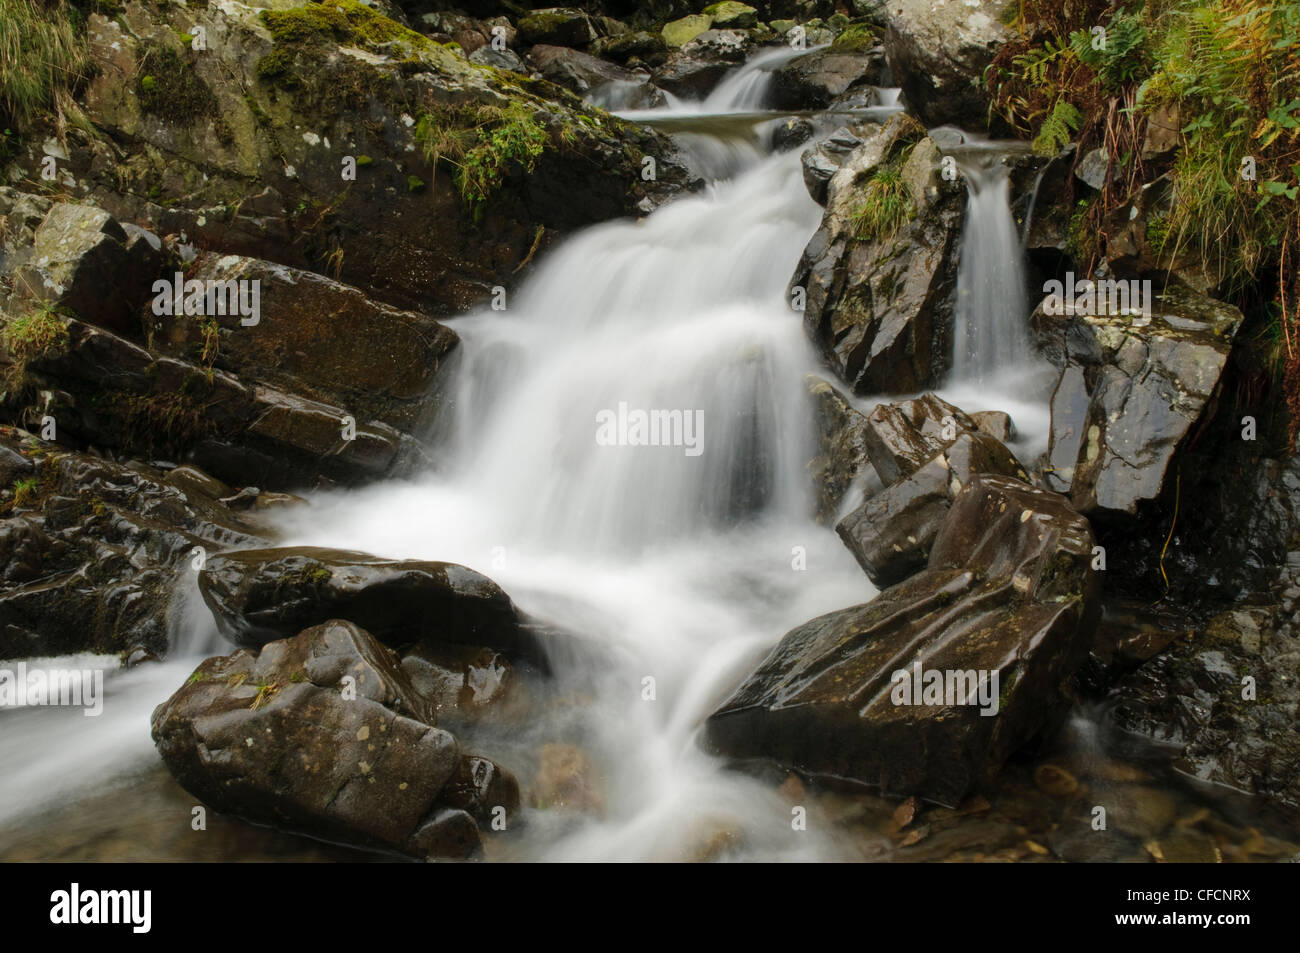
{"x": 991, "y": 319}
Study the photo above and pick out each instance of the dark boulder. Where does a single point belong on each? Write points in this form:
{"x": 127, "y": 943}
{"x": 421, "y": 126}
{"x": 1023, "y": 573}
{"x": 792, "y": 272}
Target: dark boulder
{"x": 322, "y": 734}
{"x": 1006, "y": 606}
{"x": 814, "y": 80}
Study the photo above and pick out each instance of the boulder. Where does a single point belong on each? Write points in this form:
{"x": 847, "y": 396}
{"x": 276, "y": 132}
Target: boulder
{"x": 83, "y": 261}
{"x": 814, "y": 80}
{"x": 322, "y": 734}
{"x": 557, "y": 26}
{"x": 1132, "y": 387}
{"x": 581, "y": 72}
{"x": 938, "y": 53}
{"x": 678, "y": 33}
{"x": 890, "y": 534}
{"x": 506, "y": 59}
{"x": 879, "y": 304}
{"x": 841, "y": 462}
{"x": 258, "y": 595}
{"x": 623, "y": 47}
{"x": 1001, "y": 618}
{"x": 314, "y": 337}
{"x": 730, "y": 15}
{"x": 822, "y": 160}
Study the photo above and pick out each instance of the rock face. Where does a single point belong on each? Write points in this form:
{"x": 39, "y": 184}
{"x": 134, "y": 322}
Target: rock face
{"x": 91, "y": 551}
{"x": 322, "y": 734}
{"x": 261, "y": 594}
{"x": 244, "y": 147}
{"x": 840, "y": 463}
{"x": 938, "y": 51}
{"x": 1009, "y": 593}
{"x": 928, "y": 451}
{"x": 315, "y": 337}
{"x": 879, "y": 303}
{"x": 1131, "y": 389}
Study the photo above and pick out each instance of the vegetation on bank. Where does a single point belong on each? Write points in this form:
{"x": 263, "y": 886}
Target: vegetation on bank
{"x": 43, "y": 56}
{"x": 1224, "y": 77}
{"x": 481, "y": 142}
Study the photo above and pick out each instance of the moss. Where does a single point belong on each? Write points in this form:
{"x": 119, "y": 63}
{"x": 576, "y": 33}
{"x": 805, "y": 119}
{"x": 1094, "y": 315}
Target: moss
{"x": 43, "y": 334}
{"x": 414, "y": 183}
{"x": 170, "y": 88}
{"x": 310, "y": 574}
{"x": 856, "y": 39}
{"x": 484, "y": 144}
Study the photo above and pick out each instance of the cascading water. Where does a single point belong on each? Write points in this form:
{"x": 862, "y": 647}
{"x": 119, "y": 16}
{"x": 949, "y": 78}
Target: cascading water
{"x": 991, "y": 332}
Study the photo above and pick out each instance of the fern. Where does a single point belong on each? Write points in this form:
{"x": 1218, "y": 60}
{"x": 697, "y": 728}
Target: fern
{"x": 1058, "y": 128}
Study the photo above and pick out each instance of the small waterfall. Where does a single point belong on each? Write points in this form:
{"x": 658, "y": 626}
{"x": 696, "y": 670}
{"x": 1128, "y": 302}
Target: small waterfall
{"x": 992, "y": 311}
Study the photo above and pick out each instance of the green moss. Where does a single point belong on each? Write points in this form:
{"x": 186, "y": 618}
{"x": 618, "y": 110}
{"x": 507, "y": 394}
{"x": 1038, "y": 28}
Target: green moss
{"x": 484, "y": 144}
{"x": 414, "y": 183}
{"x": 170, "y": 88}
{"x": 856, "y": 39}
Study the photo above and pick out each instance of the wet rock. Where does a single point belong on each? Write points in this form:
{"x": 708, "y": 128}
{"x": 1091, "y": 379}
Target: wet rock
{"x": 321, "y": 734}
{"x": 1078, "y": 843}
{"x": 841, "y": 462}
{"x": 259, "y": 595}
{"x": 82, "y": 260}
{"x": 996, "y": 424}
{"x": 638, "y": 43}
{"x": 1008, "y": 590}
{"x": 91, "y": 556}
{"x": 879, "y": 302}
{"x": 700, "y": 64}
{"x": 567, "y": 781}
{"x": 1132, "y": 387}
{"x": 814, "y": 80}
{"x": 791, "y": 133}
{"x": 556, "y": 26}
{"x": 938, "y": 52}
{"x": 823, "y": 160}
{"x": 1226, "y": 699}
{"x": 578, "y": 71}
{"x": 313, "y": 337}
{"x": 890, "y": 534}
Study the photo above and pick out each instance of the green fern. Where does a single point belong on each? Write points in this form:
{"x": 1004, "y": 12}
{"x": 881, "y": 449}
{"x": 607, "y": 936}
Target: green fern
{"x": 1058, "y": 128}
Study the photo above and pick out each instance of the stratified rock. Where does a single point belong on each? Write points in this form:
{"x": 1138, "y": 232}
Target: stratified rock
{"x": 322, "y": 734}
{"x": 879, "y": 305}
{"x": 813, "y": 80}
{"x": 314, "y": 337}
{"x": 938, "y": 52}
{"x": 260, "y": 595}
{"x": 1009, "y": 592}
{"x": 1131, "y": 389}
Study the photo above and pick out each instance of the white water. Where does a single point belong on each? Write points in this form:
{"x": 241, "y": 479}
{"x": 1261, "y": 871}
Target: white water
{"x": 991, "y": 328}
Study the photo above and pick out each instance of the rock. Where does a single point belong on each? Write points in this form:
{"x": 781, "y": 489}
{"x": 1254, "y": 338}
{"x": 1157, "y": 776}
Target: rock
{"x": 1092, "y": 169}
{"x": 83, "y": 261}
{"x": 791, "y": 134}
{"x": 691, "y": 75}
{"x": 841, "y": 462}
{"x": 581, "y": 72}
{"x": 557, "y": 26}
{"x": 1164, "y": 131}
{"x": 996, "y": 423}
{"x": 314, "y": 337}
{"x": 281, "y": 101}
{"x": 1131, "y": 389}
{"x": 890, "y": 534}
{"x": 321, "y": 734}
{"x": 730, "y": 15}
{"x": 89, "y": 561}
{"x": 258, "y": 595}
{"x": 813, "y": 80}
{"x": 678, "y": 33}
{"x": 639, "y": 44}
{"x": 938, "y": 52}
{"x": 1008, "y": 591}
{"x": 902, "y": 437}
{"x": 821, "y": 161}
{"x": 879, "y": 305}
{"x": 505, "y": 59}
{"x": 1190, "y": 697}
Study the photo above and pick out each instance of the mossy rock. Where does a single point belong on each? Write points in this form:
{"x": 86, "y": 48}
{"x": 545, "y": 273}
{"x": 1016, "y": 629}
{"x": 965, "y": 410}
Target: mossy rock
{"x": 730, "y": 15}
{"x": 680, "y": 32}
